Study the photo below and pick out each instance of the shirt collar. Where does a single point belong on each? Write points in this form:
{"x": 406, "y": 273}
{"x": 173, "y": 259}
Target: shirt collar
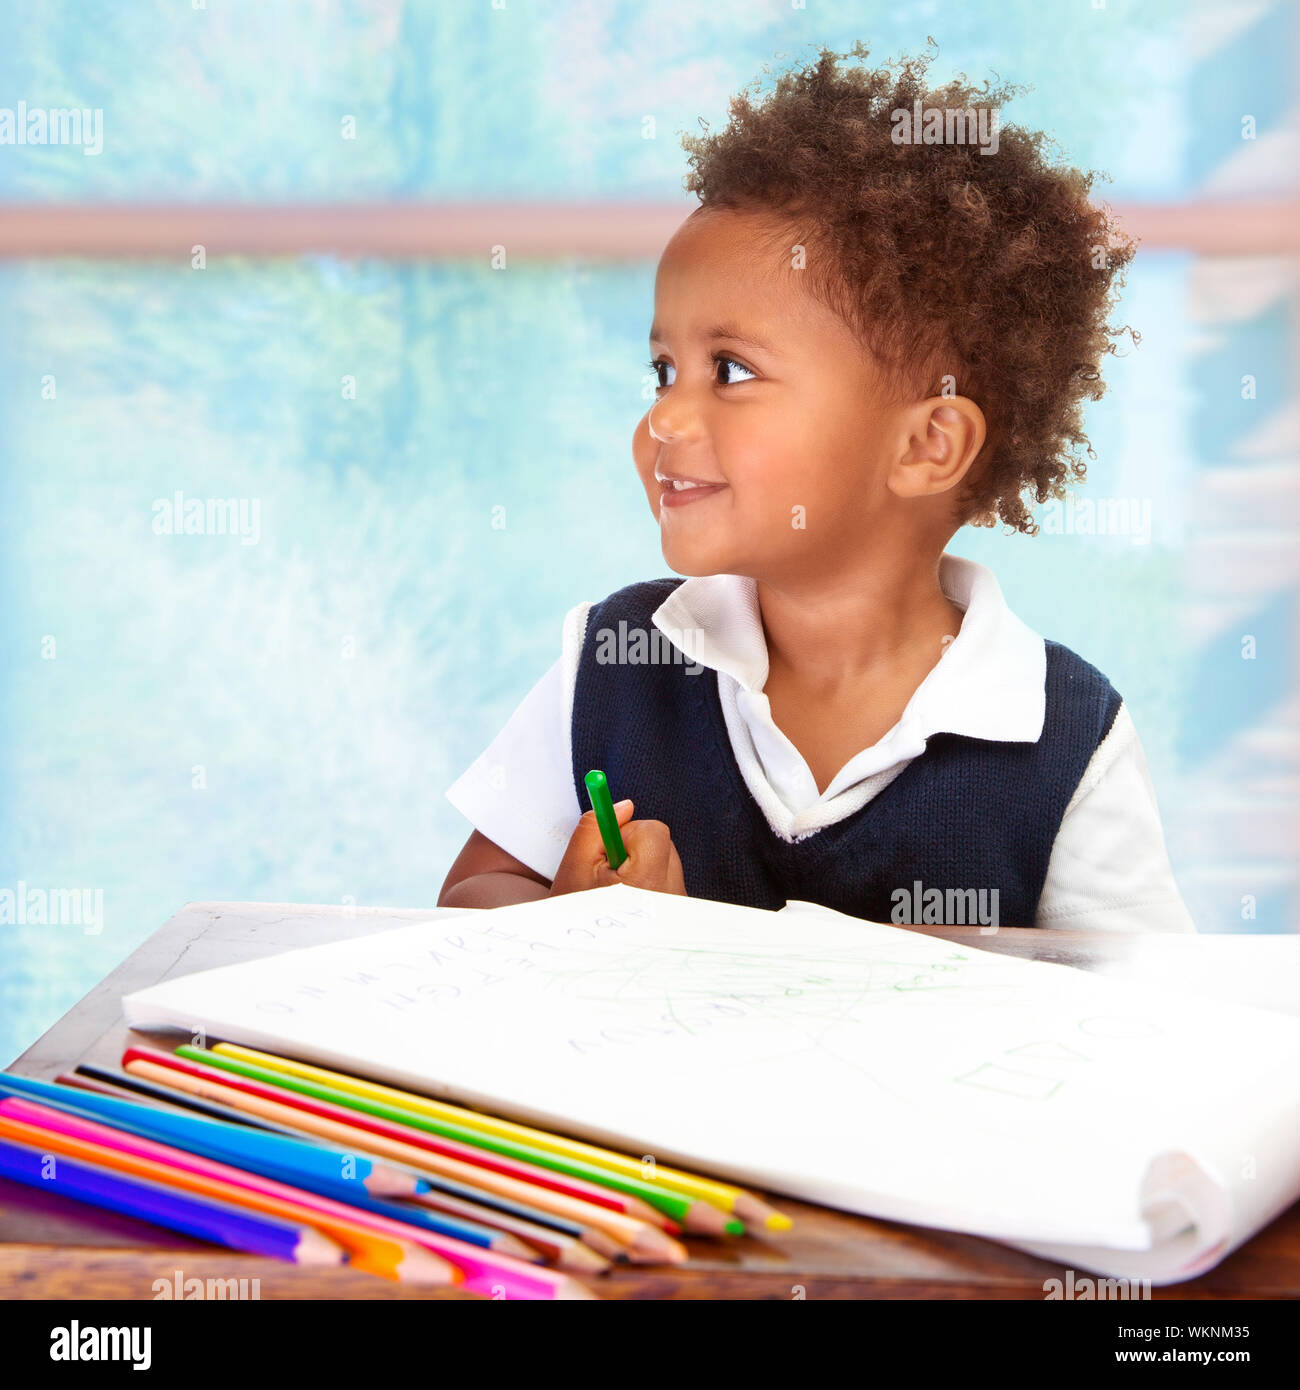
{"x": 989, "y": 683}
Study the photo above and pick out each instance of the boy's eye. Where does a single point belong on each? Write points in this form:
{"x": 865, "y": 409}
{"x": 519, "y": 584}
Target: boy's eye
{"x": 658, "y": 367}
{"x": 726, "y": 364}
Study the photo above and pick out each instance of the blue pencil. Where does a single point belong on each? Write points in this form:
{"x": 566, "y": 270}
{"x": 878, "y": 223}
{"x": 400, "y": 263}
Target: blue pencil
{"x": 332, "y": 1172}
{"x": 120, "y": 1081}
{"x": 203, "y": 1217}
{"x": 471, "y": 1232}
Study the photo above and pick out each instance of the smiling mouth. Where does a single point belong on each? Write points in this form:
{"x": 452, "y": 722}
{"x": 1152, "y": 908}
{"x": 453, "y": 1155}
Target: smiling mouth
{"x": 677, "y": 492}
{"x": 680, "y": 484}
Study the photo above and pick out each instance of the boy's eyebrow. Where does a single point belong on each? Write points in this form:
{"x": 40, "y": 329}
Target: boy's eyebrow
{"x": 727, "y": 330}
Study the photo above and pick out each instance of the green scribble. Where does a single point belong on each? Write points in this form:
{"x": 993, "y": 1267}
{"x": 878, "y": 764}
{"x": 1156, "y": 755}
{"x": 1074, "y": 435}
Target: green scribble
{"x": 672, "y": 1013}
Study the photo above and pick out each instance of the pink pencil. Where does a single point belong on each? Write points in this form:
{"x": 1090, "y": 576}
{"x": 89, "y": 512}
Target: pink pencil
{"x": 485, "y": 1272}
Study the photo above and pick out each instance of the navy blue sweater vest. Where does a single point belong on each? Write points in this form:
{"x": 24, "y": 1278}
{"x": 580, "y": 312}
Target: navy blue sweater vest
{"x": 967, "y": 814}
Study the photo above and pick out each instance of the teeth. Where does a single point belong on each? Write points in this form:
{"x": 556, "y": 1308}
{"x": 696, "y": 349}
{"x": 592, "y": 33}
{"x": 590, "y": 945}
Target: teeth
{"x": 679, "y": 486}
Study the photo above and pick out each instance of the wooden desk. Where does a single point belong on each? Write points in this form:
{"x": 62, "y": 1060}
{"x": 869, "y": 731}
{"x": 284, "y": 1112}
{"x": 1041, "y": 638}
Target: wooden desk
{"x": 56, "y": 1249}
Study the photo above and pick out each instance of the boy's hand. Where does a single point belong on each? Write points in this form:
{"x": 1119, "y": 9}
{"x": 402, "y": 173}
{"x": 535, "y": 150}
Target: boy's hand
{"x": 652, "y": 861}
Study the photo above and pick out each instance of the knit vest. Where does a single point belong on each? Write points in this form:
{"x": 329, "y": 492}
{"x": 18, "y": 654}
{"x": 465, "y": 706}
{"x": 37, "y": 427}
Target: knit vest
{"x": 967, "y": 814}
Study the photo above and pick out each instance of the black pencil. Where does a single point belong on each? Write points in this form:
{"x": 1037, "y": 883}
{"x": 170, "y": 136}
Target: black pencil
{"x": 111, "y": 1082}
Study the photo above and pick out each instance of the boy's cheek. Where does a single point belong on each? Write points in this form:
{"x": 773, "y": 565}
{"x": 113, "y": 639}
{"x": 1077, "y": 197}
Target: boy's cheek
{"x": 643, "y": 447}
{"x": 643, "y": 456}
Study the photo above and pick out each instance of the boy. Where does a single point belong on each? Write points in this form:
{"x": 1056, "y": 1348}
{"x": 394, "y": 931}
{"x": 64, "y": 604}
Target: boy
{"x": 862, "y": 341}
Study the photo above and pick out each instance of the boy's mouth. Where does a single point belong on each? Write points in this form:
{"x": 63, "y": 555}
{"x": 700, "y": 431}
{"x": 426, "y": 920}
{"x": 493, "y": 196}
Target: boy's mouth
{"x": 677, "y": 491}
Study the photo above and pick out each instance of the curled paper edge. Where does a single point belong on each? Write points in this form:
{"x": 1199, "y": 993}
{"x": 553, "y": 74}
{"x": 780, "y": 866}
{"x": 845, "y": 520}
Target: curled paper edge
{"x": 1189, "y": 1214}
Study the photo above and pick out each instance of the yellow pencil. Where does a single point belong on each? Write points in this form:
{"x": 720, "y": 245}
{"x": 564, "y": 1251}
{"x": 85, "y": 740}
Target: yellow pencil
{"x": 638, "y": 1239}
{"x": 744, "y": 1205}
{"x": 375, "y": 1253}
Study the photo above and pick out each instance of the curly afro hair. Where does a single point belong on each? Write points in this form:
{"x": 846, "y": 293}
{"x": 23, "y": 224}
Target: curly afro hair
{"x": 989, "y": 276}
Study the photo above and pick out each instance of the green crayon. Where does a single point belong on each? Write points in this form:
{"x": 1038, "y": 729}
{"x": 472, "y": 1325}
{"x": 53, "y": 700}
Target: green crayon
{"x": 603, "y": 805}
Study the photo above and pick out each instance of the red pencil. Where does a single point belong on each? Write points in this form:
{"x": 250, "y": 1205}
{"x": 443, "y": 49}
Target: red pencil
{"x": 433, "y": 1143}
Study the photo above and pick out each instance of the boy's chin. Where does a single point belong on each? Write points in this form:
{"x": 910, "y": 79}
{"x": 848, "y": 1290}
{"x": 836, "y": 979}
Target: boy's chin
{"x": 692, "y": 562}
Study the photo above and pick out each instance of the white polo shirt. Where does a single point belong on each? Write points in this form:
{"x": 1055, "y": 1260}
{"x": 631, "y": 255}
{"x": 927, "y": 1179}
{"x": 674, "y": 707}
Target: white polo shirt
{"x": 1109, "y": 869}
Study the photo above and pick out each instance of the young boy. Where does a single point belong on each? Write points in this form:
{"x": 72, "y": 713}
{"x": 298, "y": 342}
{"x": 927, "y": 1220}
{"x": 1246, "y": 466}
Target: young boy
{"x": 863, "y": 339}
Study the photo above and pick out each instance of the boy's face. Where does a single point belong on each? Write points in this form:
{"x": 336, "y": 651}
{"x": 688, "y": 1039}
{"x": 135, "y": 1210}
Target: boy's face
{"x": 768, "y": 400}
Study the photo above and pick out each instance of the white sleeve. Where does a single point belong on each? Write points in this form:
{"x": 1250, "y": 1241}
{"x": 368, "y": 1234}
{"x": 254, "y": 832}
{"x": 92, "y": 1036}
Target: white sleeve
{"x": 1109, "y": 869}
{"x": 519, "y": 791}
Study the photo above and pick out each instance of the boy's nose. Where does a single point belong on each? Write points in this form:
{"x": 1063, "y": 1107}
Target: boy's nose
{"x": 670, "y": 422}
{"x": 650, "y": 424}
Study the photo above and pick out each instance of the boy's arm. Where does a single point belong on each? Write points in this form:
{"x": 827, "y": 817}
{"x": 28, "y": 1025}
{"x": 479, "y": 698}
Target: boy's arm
{"x": 484, "y": 875}
{"x": 534, "y": 746}
{"x": 535, "y": 808}
{"x": 1109, "y": 868}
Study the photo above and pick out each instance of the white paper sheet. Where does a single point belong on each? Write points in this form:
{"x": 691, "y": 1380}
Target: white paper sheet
{"x": 1118, "y": 1128}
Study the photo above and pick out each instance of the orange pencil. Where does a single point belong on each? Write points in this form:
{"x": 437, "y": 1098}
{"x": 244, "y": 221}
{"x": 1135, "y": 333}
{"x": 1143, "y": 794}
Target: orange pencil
{"x": 640, "y": 1240}
{"x": 525, "y": 1171}
{"x": 484, "y": 1271}
{"x": 398, "y": 1260}
{"x": 568, "y": 1252}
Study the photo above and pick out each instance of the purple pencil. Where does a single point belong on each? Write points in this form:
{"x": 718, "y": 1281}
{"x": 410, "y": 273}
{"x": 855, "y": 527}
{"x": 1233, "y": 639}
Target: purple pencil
{"x": 203, "y": 1217}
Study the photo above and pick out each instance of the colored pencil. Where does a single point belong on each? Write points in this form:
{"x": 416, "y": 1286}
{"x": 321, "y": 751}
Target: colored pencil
{"x": 539, "y": 1228}
{"x": 483, "y": 1272}
{"x": 695, "y": 1214}
{"x": 399, "y": 1260}
{"x": 567, "y": 1251}
{"x": 476, "y": 1232}
{"x": 640, "y": 1240}
{"x": 452, "y": 1148}
{"x": 443, "y": 1187}
{"x": 440, "y": 1222}
{"x": 106, "y": 1082}
{"x": 273, "y": 1155}
{"x": 101, "y": 1088}
{"x": 606, "y": 817}
{"x": 203, "y": 1217}
{"x": 725, "y": 1195}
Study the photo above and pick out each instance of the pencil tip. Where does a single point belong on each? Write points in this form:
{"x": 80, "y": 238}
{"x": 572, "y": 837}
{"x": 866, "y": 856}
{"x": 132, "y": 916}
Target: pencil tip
{"x": 506, "y": 1244}
{"x": 571, "y": 1289}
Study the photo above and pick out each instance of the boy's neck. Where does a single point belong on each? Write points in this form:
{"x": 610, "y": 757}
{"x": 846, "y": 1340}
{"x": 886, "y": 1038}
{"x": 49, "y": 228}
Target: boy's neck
{"x": 854, "y": 626}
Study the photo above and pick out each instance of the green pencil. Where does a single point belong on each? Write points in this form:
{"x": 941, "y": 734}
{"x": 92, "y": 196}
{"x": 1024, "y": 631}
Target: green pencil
{"x": 691, "y": 1213}
{"x": 603, "y": 805}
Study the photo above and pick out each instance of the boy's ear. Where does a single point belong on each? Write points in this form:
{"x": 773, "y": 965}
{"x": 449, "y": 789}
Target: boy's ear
{"x": 944, "y": 437}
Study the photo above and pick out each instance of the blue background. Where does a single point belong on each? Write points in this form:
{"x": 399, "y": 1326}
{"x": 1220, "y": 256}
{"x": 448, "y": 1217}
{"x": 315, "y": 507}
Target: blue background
{"x": 333, "y": 679}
